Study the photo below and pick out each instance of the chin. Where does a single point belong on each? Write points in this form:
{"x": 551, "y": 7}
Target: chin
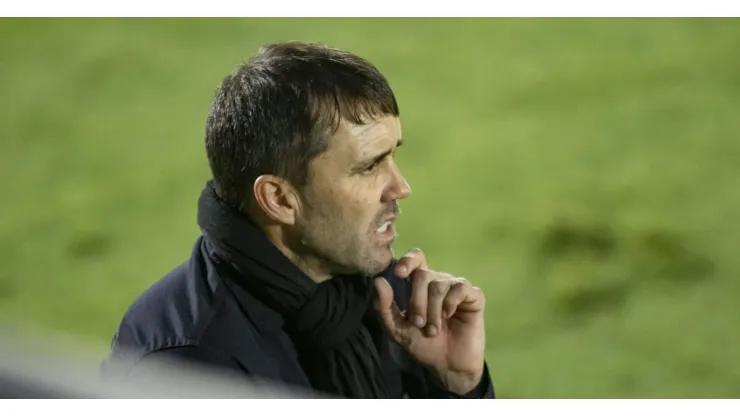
{"x": 378, "y": 264}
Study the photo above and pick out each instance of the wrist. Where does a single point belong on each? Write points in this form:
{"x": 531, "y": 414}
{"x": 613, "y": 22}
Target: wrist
{"x": 461, "y": 383}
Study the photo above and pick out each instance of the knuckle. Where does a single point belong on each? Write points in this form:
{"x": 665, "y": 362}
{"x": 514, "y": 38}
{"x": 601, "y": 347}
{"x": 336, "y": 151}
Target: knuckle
{"x": 416, "y": 253}
{"x": 479, "y": 292}
{"x": 403, "y": 338}
{"x": 421, "y": 276}
{"x": 441, "y": 276}
{"x": 459, "y": 289}
{"x": 438, "y": 287}
{"x": 413, "y": 253}
{"x": 457, "y": 282}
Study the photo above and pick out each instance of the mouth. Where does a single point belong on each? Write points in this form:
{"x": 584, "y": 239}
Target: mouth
{"x": 386, "y": 229}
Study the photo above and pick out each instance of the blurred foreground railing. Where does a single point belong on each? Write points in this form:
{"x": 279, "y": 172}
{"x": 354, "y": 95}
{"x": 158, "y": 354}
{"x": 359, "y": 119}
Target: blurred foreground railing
{"x": 31, "y": 375}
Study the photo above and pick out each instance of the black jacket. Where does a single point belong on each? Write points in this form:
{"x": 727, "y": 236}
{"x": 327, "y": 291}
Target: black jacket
{"x": 196, "y": 312}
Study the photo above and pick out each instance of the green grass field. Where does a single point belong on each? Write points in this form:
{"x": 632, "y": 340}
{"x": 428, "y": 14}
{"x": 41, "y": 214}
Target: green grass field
{"x": 586, "y": 173}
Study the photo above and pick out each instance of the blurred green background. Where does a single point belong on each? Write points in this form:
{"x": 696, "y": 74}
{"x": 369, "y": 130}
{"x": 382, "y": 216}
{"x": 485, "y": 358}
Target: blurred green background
{"x": 586, "y": 173}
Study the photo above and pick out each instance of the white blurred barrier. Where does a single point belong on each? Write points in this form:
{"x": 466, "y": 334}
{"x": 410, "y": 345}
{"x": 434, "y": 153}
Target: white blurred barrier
{"x": 29, "y": 375}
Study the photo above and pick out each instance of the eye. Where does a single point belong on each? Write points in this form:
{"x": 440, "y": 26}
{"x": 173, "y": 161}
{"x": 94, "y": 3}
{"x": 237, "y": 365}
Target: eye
{"x": 371, "y": 169}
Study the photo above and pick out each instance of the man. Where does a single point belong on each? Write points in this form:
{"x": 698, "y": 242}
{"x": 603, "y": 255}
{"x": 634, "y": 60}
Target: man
{"x": 293, "y": 278}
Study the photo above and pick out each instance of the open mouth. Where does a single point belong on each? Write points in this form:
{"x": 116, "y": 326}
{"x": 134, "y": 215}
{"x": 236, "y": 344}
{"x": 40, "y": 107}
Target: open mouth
{"x": 384, "y": 228}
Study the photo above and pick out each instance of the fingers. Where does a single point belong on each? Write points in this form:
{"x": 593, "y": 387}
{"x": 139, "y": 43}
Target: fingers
{"x": 413, "y": 265}
{"x": 445, "y": 296}
{"x": 387, "y": 308}
{"x": 384, "y": 303}
{"x": 429, "y": 293}
{"x": 412, "y": 260}
{"x": 389, "y": 312}
{"x": 438, "y": 292}
{"x": 435, "y": 297}
{"x": 419, "y": 301}
{"x": 458, "y": 293}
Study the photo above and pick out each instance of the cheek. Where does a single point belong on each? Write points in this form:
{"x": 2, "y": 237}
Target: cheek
{"x": 366, "y": 194}
{"x": 354, "y": 200}
{"x": 367, "y": 189}
{"x": 357, "y": 210}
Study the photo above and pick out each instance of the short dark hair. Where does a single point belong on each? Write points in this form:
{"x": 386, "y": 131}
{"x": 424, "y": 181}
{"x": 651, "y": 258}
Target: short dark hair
{"x": 275, "y": 113}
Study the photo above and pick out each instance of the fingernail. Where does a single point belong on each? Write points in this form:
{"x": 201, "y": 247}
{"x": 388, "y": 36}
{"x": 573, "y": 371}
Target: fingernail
{"x": 432, "y": 331}
{"x": 419, "y": 321}
{"x": 401, "y": 270}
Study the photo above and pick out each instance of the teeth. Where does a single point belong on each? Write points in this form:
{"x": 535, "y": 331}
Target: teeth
{"x": 383, "y": 228}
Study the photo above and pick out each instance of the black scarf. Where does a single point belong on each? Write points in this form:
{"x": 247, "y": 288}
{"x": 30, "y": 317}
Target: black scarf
{"x": 326, "y": 321}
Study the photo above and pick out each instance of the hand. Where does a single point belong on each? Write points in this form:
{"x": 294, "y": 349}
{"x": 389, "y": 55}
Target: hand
{"x": 444, "y": 326}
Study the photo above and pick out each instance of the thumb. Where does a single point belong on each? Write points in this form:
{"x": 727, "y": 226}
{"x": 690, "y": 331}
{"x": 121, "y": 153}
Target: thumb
{"x": 384, "y": 304}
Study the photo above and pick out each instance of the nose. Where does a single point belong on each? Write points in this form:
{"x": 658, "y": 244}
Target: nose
{"x": 398, "y": 188}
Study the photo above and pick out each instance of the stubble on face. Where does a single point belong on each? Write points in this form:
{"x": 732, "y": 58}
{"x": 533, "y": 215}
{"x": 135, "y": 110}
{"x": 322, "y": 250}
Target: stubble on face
{"x": 342, "y": 207}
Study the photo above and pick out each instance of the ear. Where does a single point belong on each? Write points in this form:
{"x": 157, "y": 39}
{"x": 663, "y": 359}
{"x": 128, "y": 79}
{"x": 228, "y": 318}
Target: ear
{"x": 277, "y": 198}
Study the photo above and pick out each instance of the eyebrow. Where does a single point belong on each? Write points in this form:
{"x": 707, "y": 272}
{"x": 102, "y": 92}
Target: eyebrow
{"x": 375, "y": 159}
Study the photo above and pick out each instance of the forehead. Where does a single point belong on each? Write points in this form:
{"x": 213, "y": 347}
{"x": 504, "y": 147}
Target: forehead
{"x": 364, "y": 139}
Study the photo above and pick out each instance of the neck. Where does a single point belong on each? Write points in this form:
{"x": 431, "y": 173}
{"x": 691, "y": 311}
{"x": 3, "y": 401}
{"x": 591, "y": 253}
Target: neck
{"x": 311, "y": 266}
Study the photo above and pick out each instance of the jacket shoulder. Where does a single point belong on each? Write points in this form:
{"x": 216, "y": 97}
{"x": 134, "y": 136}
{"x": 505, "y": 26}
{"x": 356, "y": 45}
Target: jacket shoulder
{"x": 174, "y": 312}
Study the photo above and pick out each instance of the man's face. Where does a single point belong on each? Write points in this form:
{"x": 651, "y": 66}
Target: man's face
{"x": 350, "y": 202}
